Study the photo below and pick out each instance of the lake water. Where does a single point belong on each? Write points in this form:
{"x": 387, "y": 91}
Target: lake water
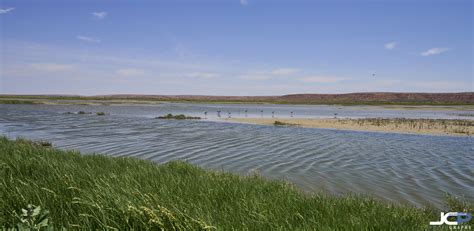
{"x": 414, "y": 169}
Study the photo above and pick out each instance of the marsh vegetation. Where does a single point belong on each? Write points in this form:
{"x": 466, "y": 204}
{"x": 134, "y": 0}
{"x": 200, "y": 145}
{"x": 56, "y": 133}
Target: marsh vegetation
{"x": 401, "y": 125}
{"x": 449, "y": 126}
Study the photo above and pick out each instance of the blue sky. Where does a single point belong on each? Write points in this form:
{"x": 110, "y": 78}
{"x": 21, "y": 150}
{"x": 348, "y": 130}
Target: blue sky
{"x": 235, "y": 47}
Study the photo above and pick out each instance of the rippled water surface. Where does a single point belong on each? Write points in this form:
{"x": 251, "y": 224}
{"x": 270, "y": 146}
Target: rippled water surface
{"x": 418, "y": 169}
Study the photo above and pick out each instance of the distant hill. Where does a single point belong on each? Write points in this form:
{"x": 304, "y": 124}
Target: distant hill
{"x": 462, "y": 98}
{"x": 385, "y": 97}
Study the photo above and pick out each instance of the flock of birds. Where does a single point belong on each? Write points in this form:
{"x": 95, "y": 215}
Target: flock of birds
{"x": 229, "y": 114}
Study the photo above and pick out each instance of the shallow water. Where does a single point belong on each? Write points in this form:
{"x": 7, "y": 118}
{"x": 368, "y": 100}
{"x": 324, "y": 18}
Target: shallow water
{"x": 415, "y": 169}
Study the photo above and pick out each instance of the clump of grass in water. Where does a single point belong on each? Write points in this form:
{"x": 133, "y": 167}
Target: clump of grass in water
{"x": 101, "y": 113}
{"x": 279, "y": 123}
{"x": 98, "y": 192}
{"x": 178, "y": 117}
{"x": 83, "y": 113}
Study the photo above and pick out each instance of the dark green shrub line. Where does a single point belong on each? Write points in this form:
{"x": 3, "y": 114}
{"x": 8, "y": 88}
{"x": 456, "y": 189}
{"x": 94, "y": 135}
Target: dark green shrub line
{"x": 45, "y": 187}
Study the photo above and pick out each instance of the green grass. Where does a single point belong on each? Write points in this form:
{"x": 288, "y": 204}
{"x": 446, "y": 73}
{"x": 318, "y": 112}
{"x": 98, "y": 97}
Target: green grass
{"x": 64, "y": 189}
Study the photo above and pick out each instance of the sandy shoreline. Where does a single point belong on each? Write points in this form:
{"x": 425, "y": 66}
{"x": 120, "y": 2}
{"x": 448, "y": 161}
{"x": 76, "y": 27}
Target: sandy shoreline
{"x": 408, "y": 126}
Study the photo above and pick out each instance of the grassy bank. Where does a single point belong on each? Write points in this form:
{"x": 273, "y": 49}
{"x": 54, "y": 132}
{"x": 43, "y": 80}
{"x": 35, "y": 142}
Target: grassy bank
{"x": 66, "y": 189}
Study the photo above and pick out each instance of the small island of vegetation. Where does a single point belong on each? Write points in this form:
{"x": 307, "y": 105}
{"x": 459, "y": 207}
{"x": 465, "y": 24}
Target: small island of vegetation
{"x": 178, "y": 117}
{"x": 279, "y": 123}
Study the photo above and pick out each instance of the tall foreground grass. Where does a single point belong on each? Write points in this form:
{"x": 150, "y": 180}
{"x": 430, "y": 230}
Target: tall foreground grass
{"x": 63, "y": 189}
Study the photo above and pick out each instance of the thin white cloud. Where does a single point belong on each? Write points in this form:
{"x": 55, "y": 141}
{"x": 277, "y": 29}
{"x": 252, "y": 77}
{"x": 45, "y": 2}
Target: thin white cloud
{"x": 323, "y": 79}
{"x": 255, "y": 76}
{"x": 434, "y": 51}
{"x": 275, "y": 73}
{"x": 244, "y": 2}
{"x": 391, "y": 45}
{"x": 130, "y": 72}
{"x": 88, "y": 39}
{"x": 52, "y": 66}
{"x": 100, "y": 15}
{"x": 285, "y": 71}
{"x": 202, "y": 75}
{"x": 4, "y": 11}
